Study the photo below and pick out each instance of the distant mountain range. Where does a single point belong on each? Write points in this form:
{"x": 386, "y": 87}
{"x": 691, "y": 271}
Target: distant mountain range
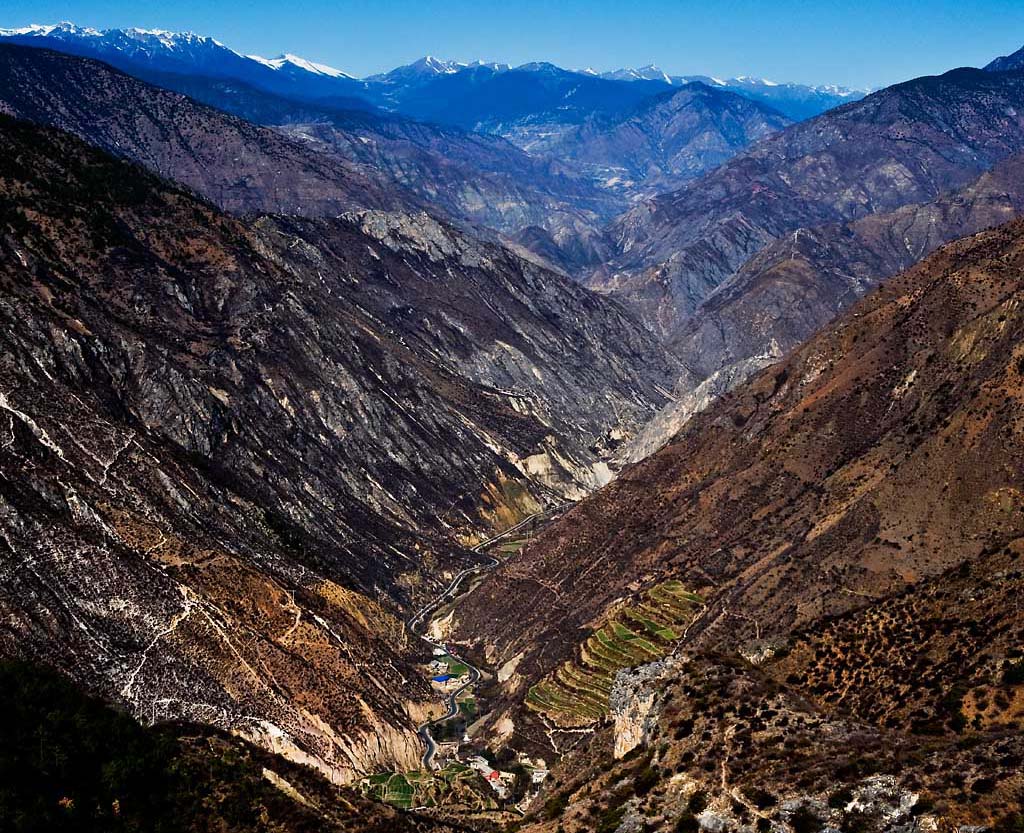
{"x": 580, "y": 149}
{"x": 187, "y": 53}
{"x": 399, "y": 89}
{"x": 797, "y": 101}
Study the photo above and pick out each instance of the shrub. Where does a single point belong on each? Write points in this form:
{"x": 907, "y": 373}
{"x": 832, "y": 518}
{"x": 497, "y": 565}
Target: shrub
{"x": 611, "y": 819}
{"x": 555, "y": 806}
{"x": 687, "y": 823}
{"x": 646, "y": 780}
{"x": 804, "y": 821}
{"x": 698, "y": 802}
{"x": 1013, "y": 673}
{"x": 761, "y": 798}
{"x": 840, "y": 798}
{"x": 1011, "y": 823}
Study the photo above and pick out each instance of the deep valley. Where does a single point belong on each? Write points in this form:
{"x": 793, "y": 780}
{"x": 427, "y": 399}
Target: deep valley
{"x": 487, "y": 448}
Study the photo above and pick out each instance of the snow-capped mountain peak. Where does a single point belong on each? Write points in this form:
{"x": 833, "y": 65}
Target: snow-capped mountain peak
{"x": 647, "y": 73}
{"x": 40, "y": 30}
{"x": 166, "y": 39}
{"x": 288, "y": 59}
{"x": 428, "y": 68}
{"x": 162, "y": 51}
{"x": 430, "y": 64}
{"x": 133, "y": 37}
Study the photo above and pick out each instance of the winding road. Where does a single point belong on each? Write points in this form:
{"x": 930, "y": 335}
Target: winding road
{"x": 449, "y": 593}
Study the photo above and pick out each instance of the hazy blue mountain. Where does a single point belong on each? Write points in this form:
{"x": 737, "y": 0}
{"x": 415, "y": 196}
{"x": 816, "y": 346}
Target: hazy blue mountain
{"x": 472, "y": 95}
{"x": 1013, "y": 61}
{"x": 796, "y": 101}
{"x": 489, "y": 96}
{"x": 153, "y": 50}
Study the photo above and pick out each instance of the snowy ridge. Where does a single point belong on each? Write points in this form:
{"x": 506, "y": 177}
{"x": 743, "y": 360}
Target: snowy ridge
{"x": 160, "y": 50}
{"x": 295, "y": 61}
{"x": 428, "y": 66}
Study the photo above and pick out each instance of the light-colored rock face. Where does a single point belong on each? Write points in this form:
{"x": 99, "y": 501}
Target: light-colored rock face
{"x": 633, "y": 703}
{"x": 572, "y": 479}
{"x": 420, "y": 233}
{"x": 632, "y": 724}
{"x": 690, "y": 400}
{"x": 342, "y": 758}
{"x": 884, "y": 798}
{"x": 508, "y": 670}
{"x": 440, "y": 628}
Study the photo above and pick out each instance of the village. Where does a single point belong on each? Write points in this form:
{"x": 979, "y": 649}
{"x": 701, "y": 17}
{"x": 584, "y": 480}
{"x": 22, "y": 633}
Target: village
{"x": 458, "y": 772}
{"x": 458, "y": 775}
{"x": 454, "y": 743}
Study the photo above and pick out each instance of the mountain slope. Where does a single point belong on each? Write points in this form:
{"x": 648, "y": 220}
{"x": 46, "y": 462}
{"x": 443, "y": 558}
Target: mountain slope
{"x": 667, "y": 140}
{"x": 884, "y": 451}
{"x": 802, "y": 281}
{"x": 320, "y": 160}
{"x": 74, "y": 762}
{"x": 1007, "y": 63}
{"x": 796, "y": 101}
{"x": 628, "y": 138}
{"x": 846, "y": 732}
{"x": 187, "y": 53}
{"x": 234, "y": 457}
{"x": 476, "y": 178}
{"x": 241, "y": 167}
{"x": 581, "y": 147}
{"x": 905, "y": 144}
{"x": 492, "y": 98}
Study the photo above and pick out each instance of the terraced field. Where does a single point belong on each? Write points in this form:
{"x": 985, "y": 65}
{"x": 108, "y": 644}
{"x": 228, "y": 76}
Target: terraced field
{"x": 392, "y": 787}
{"x": 455, "y": 785}
{"x": 577, "y": 693}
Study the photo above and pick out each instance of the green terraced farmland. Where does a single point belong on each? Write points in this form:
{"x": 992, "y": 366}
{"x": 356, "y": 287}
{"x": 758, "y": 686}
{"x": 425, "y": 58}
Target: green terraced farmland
{"x": 646, "y": 630}
{"x": 422, "y": 789}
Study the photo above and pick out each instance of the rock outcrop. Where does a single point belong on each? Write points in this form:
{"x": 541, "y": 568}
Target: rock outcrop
{"x": 633, "y": 703}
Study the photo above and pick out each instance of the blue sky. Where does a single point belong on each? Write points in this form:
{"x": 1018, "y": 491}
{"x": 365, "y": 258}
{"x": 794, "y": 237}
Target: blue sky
{"x": 867, "y": 43}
